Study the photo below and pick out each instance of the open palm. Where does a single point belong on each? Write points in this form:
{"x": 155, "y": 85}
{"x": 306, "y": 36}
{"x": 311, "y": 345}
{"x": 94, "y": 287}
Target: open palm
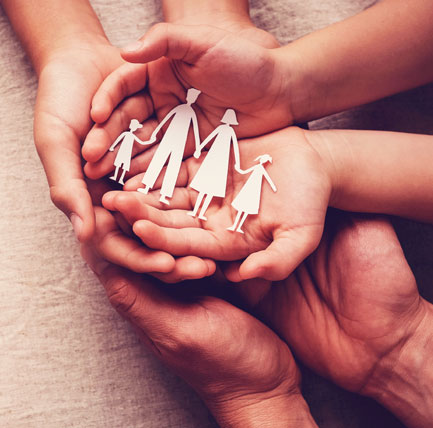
{"x": 286, "y": 230}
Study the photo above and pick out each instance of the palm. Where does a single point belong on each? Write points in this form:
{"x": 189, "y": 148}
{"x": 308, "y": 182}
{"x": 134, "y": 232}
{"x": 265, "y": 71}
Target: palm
{"x": 353, "y": 302}
{"x": 291, "y": 219}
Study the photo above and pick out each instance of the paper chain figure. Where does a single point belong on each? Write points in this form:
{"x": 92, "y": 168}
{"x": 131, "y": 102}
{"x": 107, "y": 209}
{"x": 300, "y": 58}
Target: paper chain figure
{"x": 211, "y": 178}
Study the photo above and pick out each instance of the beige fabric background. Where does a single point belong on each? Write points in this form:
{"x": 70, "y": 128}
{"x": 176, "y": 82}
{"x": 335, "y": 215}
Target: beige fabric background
{"x": 66, "y": 358}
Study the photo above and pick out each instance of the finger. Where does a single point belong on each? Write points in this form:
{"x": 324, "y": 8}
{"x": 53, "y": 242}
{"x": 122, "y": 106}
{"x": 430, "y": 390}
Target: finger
{"x": 102, "y": 136}
{"x": 283, "y": 255}
{"x": 119, "y": 249}
{"x": 133, "y": 206}
{"x": 180, "y": 42}
{"x": 120, "y": 84}
{"x": 59, "y": 150}
{"x": 188, "y": 268}
{"x": 179, "y": 242}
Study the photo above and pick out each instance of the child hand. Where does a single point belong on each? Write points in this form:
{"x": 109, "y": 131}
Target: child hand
{"x": 286, "y": 230}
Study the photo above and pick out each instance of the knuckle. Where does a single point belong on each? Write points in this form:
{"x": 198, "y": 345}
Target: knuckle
{"x": 122, "y": 296}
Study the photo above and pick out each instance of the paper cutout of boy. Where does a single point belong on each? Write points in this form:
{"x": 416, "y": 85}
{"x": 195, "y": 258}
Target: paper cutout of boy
{"x": 123, "y": 157}
{"x": 172, "y": 146}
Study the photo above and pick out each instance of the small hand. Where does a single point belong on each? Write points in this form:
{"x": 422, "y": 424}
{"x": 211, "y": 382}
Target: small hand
{"x": 286, "y": 230}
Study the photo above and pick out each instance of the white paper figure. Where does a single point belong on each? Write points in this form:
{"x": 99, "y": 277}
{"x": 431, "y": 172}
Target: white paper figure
{"x": 211, "y": 178}
{"x": 172, "y": 146}
{"x": 248, "y": 199}
{"x": 123, "y": 157}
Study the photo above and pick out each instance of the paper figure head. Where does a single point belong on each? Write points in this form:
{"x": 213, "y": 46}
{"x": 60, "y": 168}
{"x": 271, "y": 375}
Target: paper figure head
{"x": 229, "y": 117}
{"x": 134, "y": 125}
{"x": 192, "y": 95}
{"x": 263, "y": 159}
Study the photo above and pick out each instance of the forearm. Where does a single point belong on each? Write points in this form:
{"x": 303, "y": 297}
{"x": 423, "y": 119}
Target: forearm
{"x": 405, "y": 381}
{"x": 381, "y": 51}
{"x": 378, "y": 172}
{"x": 204, "y": 11}
{"x": 46, "y": 26}
{"x": 285, "y": 412}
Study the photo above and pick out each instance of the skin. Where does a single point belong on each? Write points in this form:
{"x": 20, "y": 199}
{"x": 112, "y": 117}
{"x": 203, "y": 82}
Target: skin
{"x": 351, "y": 311}
{"x": 290, "y": 222}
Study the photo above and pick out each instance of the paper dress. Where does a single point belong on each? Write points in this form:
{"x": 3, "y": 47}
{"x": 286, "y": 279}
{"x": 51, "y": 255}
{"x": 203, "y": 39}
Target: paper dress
{"x": 211, "y": 178}
{"x": 172, "y": 147}
{"x": 247, "y": 200}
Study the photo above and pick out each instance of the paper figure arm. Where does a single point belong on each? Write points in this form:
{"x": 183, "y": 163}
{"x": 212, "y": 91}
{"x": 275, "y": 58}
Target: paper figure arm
{"x": 118, "y": 140}
{"x": 236, "y": 152}
{"x": 268, "y": 179}
{"x": 196, "y": 134}
{"x": 160, "y": 125}
{"x": 206, "y": 141}
{"x": 143, "y": 143}
{"x": 244, "y": 171}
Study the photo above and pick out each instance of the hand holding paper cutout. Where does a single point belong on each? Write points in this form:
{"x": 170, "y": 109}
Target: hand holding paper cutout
{"x": 286, "y": 230}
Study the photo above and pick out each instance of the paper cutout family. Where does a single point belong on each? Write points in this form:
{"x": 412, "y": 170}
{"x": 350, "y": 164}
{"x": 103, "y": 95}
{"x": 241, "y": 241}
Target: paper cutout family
{"x": 211, "y": 178}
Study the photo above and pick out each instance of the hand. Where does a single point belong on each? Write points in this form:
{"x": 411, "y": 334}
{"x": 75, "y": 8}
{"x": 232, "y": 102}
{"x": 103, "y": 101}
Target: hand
{"x": 66, "y": 85}
{"x": 286, "y": 230}
{"x": 167, "y": 89}
{"x": 242, "y": 370}
{"x": 352, "y": 312}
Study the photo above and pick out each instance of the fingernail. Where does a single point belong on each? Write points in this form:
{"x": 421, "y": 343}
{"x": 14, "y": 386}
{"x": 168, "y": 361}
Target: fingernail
{"x": 77, "y": 225}
{"x": 133, "y": 46}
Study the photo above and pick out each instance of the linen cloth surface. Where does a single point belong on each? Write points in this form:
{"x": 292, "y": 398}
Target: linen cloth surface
{"x": 66, "y": 358}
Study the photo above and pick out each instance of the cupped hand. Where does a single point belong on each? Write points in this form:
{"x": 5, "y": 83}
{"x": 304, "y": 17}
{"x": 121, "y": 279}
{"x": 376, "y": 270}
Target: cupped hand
{"x": 232, "y": 360}
{"x": 242, "y": 83}
{"x": 67, "y": 84}
{"x": 350, "y": 308}
{"x": 286, "y": 230}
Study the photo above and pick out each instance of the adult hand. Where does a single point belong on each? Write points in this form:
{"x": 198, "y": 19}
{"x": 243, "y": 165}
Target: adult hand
{"x": 245, "y": 374}
{"x": 352, "y": 312}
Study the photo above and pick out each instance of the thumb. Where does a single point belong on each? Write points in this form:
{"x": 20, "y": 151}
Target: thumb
{"x": 180, "y": 42}
{"x": 59, "y": 151}
{"x": 283, "y": 255}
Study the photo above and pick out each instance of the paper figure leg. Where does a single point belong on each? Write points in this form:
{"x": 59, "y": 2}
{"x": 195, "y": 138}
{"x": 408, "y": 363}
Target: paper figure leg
{"x": 171, "y": 173}
{"x": 193, "y": 213}
{"x": 205, "y": 207}
{"x": 233, "y": 226}
{"x": 122, "y": 177}
{"x": 114, "y": 176}
{"x": 154, "y": 168}
{"x": 241, "y": 223}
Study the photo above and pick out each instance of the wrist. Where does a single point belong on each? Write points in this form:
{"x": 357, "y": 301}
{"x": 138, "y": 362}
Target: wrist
{"x": 403, "y": 381}
{"x": 222, "y": 13}
{"x": 285, "y": 411}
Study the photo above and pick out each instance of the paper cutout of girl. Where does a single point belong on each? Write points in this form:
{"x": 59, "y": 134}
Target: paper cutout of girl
{"x": 123, "y": 157}
{"x": 211, "y": 178}
{"x": 248, "y": 199}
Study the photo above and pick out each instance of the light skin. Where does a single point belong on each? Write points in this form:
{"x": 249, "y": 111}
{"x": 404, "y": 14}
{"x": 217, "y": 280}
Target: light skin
{"x": 360, "y": 171}
{"x": 327, "y": 71}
